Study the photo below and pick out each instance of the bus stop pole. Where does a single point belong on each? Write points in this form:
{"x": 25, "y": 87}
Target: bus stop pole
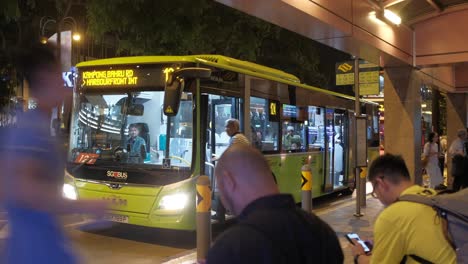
{"x": 357, "y": 113}
{"x": 306, "y": 187}
{"x": 203, "y": 217}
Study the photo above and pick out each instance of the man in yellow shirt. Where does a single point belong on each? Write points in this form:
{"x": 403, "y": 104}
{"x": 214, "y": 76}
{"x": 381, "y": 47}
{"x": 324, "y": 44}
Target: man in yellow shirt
{"x": 404, "y": 230}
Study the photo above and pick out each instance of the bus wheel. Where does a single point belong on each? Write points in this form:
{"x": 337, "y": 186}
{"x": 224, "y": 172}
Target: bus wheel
{"x": 348, "y": 191}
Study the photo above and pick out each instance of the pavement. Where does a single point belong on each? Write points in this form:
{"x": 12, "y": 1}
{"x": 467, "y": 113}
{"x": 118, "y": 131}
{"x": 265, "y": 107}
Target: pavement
{"x": 339, "y": 215}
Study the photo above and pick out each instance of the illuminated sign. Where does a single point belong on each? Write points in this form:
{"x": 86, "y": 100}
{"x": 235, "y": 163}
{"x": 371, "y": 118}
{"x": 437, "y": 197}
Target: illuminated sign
{"x": 345, "y": 67}
{"x": 344, "y": 73}
{"x": 88, "y": 158}
{"x": 123, "y": 77}
{"x": 368, "y": 76}
{"x": 272, "y": 108}
{"x": 167, "y": 71}
{"x": 273, "y": 113}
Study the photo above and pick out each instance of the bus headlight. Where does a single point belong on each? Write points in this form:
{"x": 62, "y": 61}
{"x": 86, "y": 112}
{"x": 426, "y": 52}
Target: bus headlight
{"x": 173, "y": 202}
{"x": 69, "y": 191}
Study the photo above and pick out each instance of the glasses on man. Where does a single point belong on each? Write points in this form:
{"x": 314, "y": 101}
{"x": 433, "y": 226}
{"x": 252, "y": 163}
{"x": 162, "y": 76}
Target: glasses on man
{"x": 373, "y": 193}
{"x": 374, "y": 185}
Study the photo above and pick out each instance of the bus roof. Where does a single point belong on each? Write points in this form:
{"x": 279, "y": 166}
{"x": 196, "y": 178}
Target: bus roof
{"x": 222, "y": 62}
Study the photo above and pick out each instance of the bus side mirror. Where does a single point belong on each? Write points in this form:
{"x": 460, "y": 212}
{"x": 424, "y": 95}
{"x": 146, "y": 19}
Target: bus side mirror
{"x": 172, "y": 94}
{"x": 175, "y": 85}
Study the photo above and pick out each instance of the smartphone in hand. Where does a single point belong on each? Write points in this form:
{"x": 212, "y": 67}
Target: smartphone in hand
{"x": 352, "y": 236}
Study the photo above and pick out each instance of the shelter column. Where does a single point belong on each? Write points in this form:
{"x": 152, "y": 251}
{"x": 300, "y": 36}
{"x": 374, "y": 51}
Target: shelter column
{"x": 403, "y": 117}
{"x": 456, "y": 119}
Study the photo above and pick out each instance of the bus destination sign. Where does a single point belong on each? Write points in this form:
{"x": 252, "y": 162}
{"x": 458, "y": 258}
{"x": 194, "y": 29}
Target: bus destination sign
{"x": 122, "y": 77}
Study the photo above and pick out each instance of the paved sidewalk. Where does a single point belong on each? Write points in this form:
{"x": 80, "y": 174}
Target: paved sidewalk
{"x": 339, "y": 215}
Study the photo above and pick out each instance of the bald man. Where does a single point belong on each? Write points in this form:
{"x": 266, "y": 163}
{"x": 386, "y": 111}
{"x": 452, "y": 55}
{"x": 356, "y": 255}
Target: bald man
{"x": 271, "y": 228}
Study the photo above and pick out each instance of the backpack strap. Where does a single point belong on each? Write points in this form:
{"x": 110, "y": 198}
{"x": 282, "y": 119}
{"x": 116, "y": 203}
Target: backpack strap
{"x": 417, "y": 258}
{"x": 416, "y": 198}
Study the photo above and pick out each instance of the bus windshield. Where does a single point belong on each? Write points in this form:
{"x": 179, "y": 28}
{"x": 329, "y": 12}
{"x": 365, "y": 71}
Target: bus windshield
{"x": 130, "y": 128}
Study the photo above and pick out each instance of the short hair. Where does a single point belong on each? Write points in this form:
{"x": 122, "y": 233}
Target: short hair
{"x": 392, "y": 167}
{"x": 134, "y": 126}
{"x": 431, "y": 137}
{"x": 461, "y": 132}
{"x": 233, "y": 122}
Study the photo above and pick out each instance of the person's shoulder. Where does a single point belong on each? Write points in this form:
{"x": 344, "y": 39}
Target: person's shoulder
{"x": 403, "y": 209}
{"x": 240, "y": 138}
{"x": 243, "y": 232}
{"x": 235, "y": 243}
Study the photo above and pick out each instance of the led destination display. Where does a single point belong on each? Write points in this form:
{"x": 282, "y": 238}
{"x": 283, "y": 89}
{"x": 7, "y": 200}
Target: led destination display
{"x": 126, "y": 77}
{"x": 110, "y": 78}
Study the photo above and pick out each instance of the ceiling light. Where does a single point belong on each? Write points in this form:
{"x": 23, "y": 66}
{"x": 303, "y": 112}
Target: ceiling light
{"x": 392, "y": 17}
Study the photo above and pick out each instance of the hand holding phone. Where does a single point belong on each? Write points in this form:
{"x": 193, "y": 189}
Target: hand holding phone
{"x": 352, "y": 236}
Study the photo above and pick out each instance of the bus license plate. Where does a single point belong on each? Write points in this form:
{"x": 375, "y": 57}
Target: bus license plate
{"x": 116, "y": 218}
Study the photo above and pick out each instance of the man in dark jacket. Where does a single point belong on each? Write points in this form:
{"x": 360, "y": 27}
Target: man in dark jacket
{"x": 271, "y": 229}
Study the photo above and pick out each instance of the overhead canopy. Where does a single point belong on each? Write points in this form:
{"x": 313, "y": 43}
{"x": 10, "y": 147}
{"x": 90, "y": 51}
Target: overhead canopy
{"x": 432, "y": 35}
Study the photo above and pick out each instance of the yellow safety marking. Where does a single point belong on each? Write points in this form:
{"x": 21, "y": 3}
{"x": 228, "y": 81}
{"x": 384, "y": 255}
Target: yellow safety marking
{"x": 363, "y": 173}
{"x": 203, "y": 198}
{"x": 169, "y": 110}
{"x": 306, "y": 180}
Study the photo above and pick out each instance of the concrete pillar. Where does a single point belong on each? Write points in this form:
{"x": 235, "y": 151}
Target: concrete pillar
{"x": 456, "y": 119}
{"x": 403, "y": 117}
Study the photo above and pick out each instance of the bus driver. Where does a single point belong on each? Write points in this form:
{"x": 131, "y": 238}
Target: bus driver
{"x": 136, "y": 145}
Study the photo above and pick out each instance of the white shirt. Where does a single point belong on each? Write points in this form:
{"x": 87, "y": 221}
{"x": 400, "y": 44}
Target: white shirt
{"x": 457, "y": 147}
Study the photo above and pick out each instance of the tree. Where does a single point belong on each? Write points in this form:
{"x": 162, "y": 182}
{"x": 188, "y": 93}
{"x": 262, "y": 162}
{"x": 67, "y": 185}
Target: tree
{"x": 19, "y": 28}
{"x": 178, "y": 27}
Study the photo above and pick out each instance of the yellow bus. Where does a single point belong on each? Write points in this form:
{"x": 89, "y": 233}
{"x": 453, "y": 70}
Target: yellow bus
{"x": 144, "y": 128}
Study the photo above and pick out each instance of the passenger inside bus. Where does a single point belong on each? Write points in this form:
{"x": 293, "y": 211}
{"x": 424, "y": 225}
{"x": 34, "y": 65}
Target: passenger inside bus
{"x": 136, "y": 145}
{"x": 291, "y": 138}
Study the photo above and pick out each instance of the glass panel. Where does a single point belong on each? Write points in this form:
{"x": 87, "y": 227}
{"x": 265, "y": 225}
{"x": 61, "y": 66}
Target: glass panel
{"x": 221, "y": 109}
{"x": 293, "y": 137}
{"x": 180, "y": 148}
{"x": 264, "y": 133}
{"x": 130, "y": 128}
{"x": 338, "y": 148}
{"x": 316, "y": 129}
{"x": 329, "y": 134}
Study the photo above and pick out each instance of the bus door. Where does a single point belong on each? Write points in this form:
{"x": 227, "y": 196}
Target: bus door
{"x": 336, "y": 129}
{"x": 220, "y": 109}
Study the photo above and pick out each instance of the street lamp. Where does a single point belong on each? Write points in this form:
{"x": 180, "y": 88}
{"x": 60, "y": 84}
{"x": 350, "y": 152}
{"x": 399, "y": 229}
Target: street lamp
{"x": 71, "y": 21}
{"x": 65, "y": 22}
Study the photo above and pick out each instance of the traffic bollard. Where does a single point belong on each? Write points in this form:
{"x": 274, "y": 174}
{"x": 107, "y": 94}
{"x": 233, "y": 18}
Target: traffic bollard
{"x": 306, "y": 187}
{"x": 203, "y": 217}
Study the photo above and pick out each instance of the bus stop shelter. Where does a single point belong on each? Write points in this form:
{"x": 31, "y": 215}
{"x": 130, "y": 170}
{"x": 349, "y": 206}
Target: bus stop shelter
{"x": 428, "y": 46}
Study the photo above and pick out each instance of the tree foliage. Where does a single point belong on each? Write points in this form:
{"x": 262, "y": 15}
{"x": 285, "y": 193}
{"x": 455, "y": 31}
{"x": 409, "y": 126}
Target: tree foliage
{"x": 179, "y": 27}
{"x": 19, "y": 28}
